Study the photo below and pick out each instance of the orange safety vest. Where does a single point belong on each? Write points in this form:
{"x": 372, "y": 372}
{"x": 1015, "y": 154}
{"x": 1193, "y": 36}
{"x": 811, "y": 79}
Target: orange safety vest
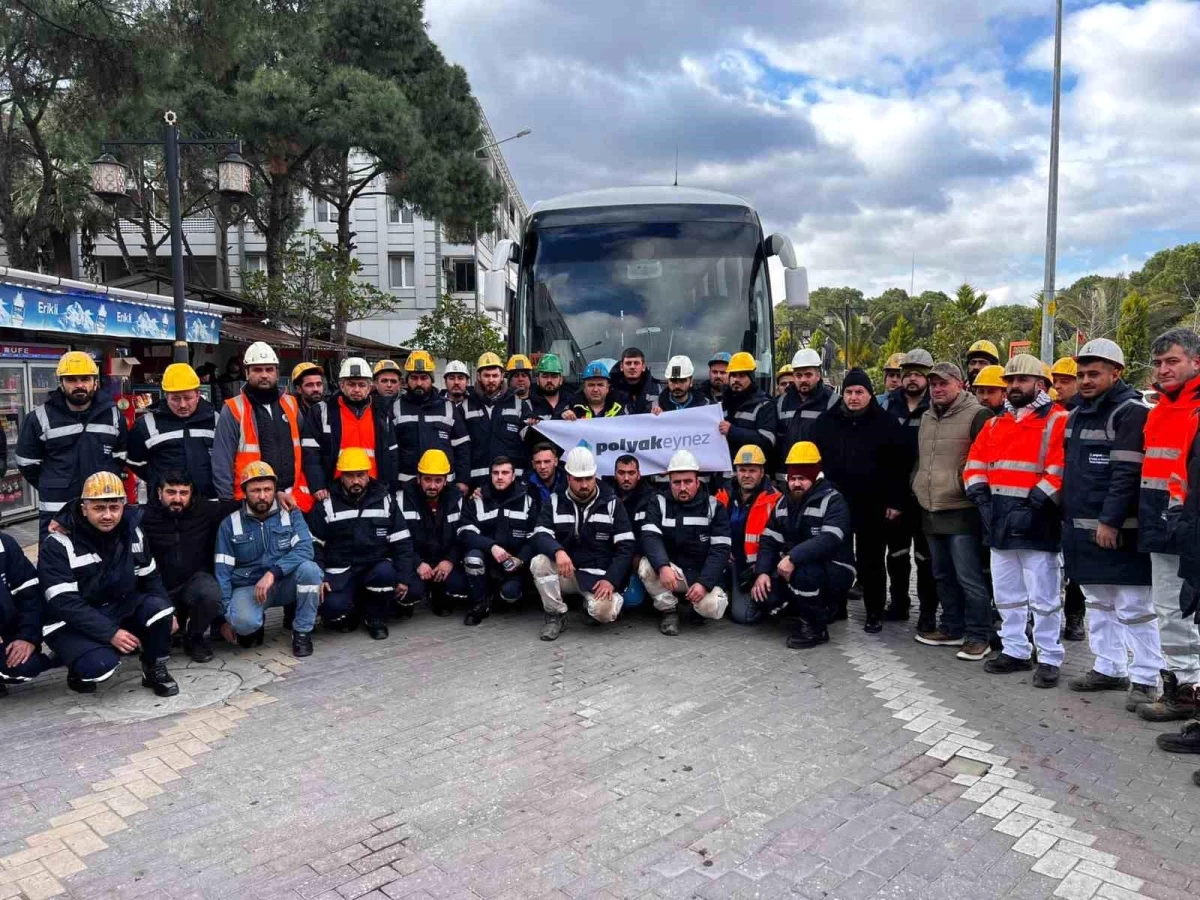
{"x": 1171, "y": 427}
{"x": 756, "y": 518}
{"x": 357, "y": 432}
{"x": 1013, "y": 458}
{"x": 248, "y": 450}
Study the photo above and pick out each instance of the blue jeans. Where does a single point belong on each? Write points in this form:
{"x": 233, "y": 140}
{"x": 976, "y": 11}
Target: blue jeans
{"x": 962, "y": 591}
{"x": 742, "y": 608}
{"x": 302, "y": 587}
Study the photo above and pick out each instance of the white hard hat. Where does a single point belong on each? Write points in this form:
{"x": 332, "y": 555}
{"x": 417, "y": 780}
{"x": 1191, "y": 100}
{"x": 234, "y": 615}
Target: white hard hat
{"x": 683, "y": 461}
{"x": 806, "y": 359}
{"x": 680, "y": 367}
{"x": 1102, "y": 348}
{"x": 580, "y": 462}
{"x": 457, "y": 367}
{"x": 354, "y": 367}
{"x": 260, "y": 353}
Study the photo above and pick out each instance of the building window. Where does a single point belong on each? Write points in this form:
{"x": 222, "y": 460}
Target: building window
{"x": 399, "y": 214}
{"x": 462, "y": 276}
{"x": 326, "y": 211}
{"x": 400, "y": 267}
{"x": 255, "y": 262}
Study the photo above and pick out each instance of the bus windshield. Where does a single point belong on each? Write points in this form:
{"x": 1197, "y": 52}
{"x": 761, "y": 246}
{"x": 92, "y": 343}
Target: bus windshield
{"x": 590, "y": 289}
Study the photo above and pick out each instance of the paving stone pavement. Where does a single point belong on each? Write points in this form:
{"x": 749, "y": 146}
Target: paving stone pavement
{"x": 453, "y": 762}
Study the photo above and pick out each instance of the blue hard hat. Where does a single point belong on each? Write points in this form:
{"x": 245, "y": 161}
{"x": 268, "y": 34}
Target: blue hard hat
{"x": 595, "y": 370}
{"x": 720, "y": 357}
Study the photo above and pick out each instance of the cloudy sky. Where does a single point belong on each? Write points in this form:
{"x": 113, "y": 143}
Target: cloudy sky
{"x": 868, "y": 130}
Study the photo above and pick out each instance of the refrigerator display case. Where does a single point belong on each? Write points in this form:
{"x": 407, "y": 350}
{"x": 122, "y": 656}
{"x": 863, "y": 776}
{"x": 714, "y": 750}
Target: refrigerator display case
{"x": 26, "y": 380}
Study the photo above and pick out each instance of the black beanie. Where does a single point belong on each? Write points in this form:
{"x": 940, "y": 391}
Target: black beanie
{"x": 857, "y": 377}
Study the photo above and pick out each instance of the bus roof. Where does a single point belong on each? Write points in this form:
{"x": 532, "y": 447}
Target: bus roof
{"x": 646, "y": 195}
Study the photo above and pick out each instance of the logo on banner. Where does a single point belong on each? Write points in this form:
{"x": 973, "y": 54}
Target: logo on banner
{"x": 670, "y": 443}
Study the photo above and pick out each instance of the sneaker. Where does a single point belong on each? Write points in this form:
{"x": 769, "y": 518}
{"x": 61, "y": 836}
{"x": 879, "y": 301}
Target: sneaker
{"x": 937, "y": 638}
{"x": 198, "y": 648}
{"x": 156, "y": 677}
{"x": 1046, "y": 676}
{"x": 1003, "y": 664}
{"x": 670, "y": 623}
{"x": 1140, "y": 695}
{"x": 974, "y": 651}
{"x": 1092, "y": 681}
{"x": 555, "y": 625}
{"x": 301, "y": 644}
{"x": 874, "y": 625}
{"x": 1187, "y": 741}
{"x": 1178, "y": 702}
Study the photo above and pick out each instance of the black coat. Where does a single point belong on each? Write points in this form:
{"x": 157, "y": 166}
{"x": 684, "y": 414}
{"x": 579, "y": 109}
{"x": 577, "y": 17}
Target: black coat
{"x": 694, "y": 536}
{"x": 752, "y": 419}
{"x": 909, "y": 422}
{"x": 597, "y": 536}
{"x": 796, "y": 415}
{"x": 1101, "y": 482}
{"x": 434, "y": 536}
{"x": 352, "y": 537}
{"x": 863, "y": 456}
{"x": 432, "y": 424}
{"x": 495, "y": 428}
{"x": 184, "y": 544}
{"x": 1185, "y": 533}
{"x": 322, "y": 442}
{"x": 21, "y": 609}
{"x": 160, "y": 442}
{"x": 815, "y": 531}
{"x": 506, "y": 519}
{"x": 636, "y": 397}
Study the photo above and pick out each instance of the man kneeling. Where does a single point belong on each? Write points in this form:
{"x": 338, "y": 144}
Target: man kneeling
{"x": 805, "y": 558}
{"x": 104, "y": 596}
{"x": 584, "y": 544}
{"x": 361, "y": 541}
{"x": 687, "y": 545}
{"x": 265, "y": 558}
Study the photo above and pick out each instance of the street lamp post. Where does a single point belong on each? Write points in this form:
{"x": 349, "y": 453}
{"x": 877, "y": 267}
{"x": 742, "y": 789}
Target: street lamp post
{"x": 110, "y": 183}
{"x": 475, "y": 228}
{"x": 1048, "y": 302}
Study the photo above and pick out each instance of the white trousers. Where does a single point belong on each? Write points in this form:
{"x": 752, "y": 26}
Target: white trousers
{"x": 1121, "y": 619}
{"x": 1179, "y": 636}
{"x": 712, "y": 605}
{"x": 551, "y": 587}
{"x": 1025, "y": 581}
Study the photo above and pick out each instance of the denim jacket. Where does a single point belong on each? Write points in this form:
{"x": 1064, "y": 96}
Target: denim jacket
{"x": 248, "y": 548}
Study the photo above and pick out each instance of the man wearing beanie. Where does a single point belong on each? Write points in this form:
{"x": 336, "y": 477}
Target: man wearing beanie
{"x": 862, "y": 448}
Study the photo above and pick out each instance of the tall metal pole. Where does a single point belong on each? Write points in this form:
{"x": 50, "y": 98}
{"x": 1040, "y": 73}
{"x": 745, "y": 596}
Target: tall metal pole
{"x": 171, "y": 149}
{"x": 1049, "y": 306}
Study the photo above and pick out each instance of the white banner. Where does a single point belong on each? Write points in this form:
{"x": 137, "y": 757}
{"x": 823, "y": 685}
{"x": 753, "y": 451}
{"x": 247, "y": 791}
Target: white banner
{"x": 652, "y": 439}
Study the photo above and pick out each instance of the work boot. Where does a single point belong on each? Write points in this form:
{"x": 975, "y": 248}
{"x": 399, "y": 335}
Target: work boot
{"x": 156, "y": 677}
{"x": 1178, "y": 702}
{"x": 1187, "y": 741}
{"x": 805, "y": 635}
{"x": 377, "y": 630}
{"x": 936, "y": 638}
{"x": 477, "y": 613}
{"x": 301, "y": 644}
{"x": 253, "y": 639}
{"x": 670, "y": 623}
{"x": 1046, "y": 676}
{"x": 3, "y": 689}
{"x": 342, "y": 624}
{"x": 1092, "y": 681}
{"x": 874, "y": 625}
{"x": 404, "y": 610}
{"x": 1073, "y": 630}
{"x": 556, "y": 624}
{"x": 1139, "y": 695}
{"x": 1003, "y": 664}
{"x": 197, "y": 647}
{"x": 895, "y": 613}
{"x": 79, "y": 686}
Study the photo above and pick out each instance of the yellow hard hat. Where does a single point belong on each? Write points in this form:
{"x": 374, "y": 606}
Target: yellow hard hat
{"x": 303, "y": 368}
{"x": 433, "y": 462}
{"x": 803, "y": 453}
{"x": 893, "y": 362}
{"x": 1024, "y": 364}
{"x": 984, "y": 348}
{"x": 1046, "y": 373}
{"x": 990, "y": 376}
{"x": 1065, "y": 366}
{"x": 783, "y": 370}
{"x": 419, "y": 361}
{"x": 750, "y": 455}
{"x": 742, "y": 362}
{"x": 385, "y": 365}
{"x": 76, "y": 362}
{"x": 180, "y": 377}
{"x": 255, "y": 470}
{"x": 353, "y": 459}
{"x": 489, "y": 360}
{"x": 103, "y": 486}
{"x": 519, "y": 362}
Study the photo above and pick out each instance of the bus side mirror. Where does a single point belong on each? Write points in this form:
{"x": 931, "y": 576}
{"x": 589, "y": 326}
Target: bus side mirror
{"x": 781, "y": 245}
{"x": 795, "y": 287}
{"x": 495, "y": 290}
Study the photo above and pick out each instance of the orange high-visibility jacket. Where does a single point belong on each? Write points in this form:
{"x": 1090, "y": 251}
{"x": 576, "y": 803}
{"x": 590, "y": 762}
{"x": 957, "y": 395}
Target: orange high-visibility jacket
{"x": 248, "y": 448}
{"x": 1171, "y": 428}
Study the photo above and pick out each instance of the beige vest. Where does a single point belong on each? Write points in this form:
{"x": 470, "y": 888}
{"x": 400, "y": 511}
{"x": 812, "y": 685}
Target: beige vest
{"x": 944, "y": 443}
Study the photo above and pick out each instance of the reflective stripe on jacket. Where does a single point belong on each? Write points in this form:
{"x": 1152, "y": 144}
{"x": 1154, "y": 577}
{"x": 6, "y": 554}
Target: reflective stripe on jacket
{"x": 756, "y": 518}
{"x": 249, "y": 450}
{"x": 1171, "y": 428}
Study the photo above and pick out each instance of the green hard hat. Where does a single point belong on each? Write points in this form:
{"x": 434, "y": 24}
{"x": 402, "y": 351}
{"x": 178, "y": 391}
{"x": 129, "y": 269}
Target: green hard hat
{"x": 549, "y": 364}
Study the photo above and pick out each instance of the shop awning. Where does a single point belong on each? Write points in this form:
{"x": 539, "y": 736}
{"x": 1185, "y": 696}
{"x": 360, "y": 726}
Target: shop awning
{"x": 242, "y": 330}
{"x": 37, "y": 302}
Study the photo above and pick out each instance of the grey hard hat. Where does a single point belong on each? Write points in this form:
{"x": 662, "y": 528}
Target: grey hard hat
{"x": 918, "y": 357}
